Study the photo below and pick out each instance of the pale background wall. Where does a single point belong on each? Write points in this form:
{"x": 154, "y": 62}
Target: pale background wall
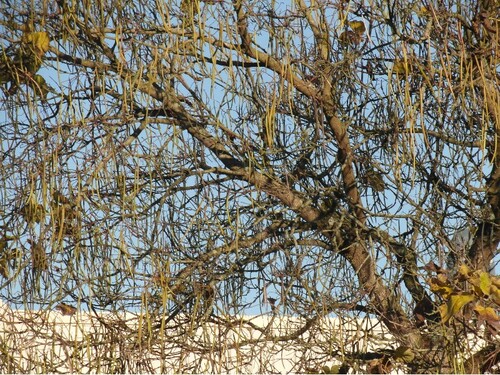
{"x": 48, "y": 341}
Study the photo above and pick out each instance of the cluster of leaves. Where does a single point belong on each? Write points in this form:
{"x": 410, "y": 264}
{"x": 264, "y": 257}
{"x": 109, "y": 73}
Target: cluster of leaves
{"x": 7, "y": 255}
{"x": 478, "y": 288}
{"x": 384, "y": 363}
{"x": 20, "y": 62}
{"x": 63, "y": 216}
{"x": 354, "y": 33}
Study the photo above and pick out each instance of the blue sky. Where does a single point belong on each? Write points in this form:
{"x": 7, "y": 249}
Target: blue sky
{"x": 124, "y": 235}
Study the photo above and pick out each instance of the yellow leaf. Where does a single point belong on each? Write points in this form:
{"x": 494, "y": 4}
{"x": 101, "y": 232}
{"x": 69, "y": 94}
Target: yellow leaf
{"x": 454, "y": 305}
{"x": 424, "y": 11}
{"x": 40, "y": 41}
{"x": 32, "y": 211}
{"x": 485, "y": 283}
{"x": 358, "y": 26}
{"x": 486, "y": 313}
{"x": 495, "y": 294}
{"x": 401, "y": 67}
{"x": 440, "y": 285}
{"x": 495, "y": 281}
{"x": 463, "y": 272}
{"x": 481, "y": 281}
{"x": 66, "y": 309}
{"x": 404, "y": 354}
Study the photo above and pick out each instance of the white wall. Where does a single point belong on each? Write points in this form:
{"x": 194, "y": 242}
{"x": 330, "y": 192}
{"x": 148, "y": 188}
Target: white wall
{"x": 43, "y": 341}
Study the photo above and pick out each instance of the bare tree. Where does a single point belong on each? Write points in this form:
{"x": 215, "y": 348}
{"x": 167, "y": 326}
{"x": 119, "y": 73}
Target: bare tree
{"x": 203, "y": 159}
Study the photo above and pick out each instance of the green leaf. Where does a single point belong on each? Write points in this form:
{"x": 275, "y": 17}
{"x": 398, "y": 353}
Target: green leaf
{"x": 40, "y": 86}
{"x": 404, "y": 354}
{"x": 325, "y": 370}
